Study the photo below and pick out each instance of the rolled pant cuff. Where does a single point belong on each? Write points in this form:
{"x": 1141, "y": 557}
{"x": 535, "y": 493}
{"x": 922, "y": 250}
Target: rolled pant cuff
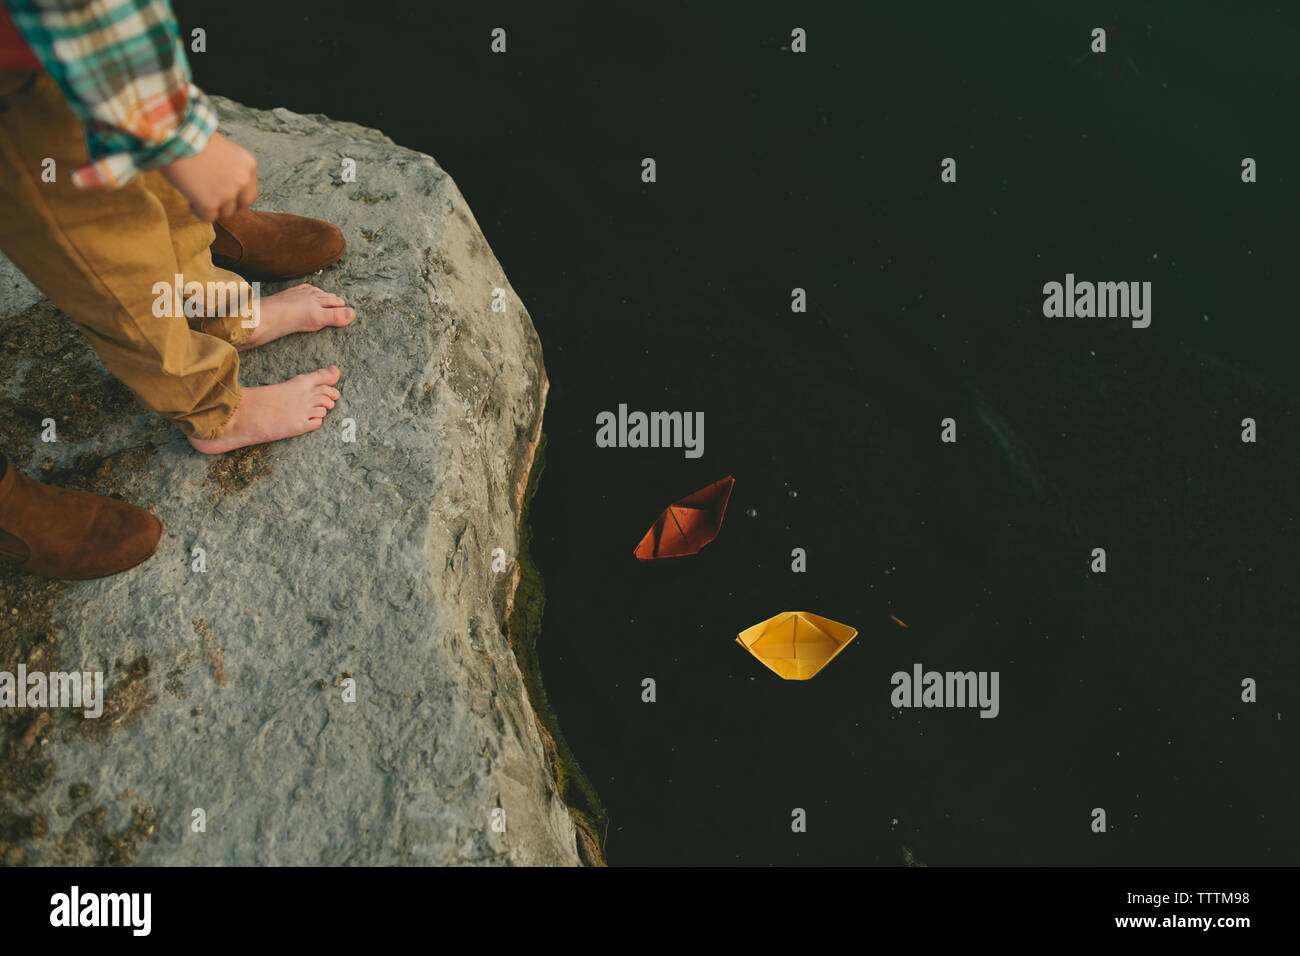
{"x": 203, "y": 429}
{"x": 229, "y": 328}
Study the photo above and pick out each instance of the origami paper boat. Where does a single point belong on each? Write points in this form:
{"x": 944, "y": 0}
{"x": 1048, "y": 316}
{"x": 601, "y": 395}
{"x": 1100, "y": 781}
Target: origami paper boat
{"x": 796, "y": 644}
{"x": 687, "y": 525}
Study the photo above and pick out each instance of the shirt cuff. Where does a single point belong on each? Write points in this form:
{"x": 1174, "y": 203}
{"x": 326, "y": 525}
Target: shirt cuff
{"x": 188, "y": 139}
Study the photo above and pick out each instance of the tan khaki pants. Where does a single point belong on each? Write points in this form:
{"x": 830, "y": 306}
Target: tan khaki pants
{"x": 97, "y": 256}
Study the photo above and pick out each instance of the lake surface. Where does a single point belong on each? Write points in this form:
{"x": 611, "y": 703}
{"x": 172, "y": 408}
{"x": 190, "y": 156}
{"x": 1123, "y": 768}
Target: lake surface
{"x": 821, "y": 171}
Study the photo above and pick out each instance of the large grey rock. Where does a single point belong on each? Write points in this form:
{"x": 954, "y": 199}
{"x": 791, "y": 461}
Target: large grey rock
{"x": 325, "y": 559}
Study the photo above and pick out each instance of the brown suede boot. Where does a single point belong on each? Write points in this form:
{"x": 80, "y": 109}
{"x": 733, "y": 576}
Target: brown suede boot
{"x": 70, "y": 534}
{"x": 267, "y": 246}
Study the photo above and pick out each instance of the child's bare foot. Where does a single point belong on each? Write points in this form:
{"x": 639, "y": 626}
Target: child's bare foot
{"x": 304, "y": 308}
{"x": 272, "y": 412}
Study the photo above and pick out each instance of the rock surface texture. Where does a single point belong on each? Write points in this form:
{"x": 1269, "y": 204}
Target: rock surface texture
{"x": 328, "y": 561}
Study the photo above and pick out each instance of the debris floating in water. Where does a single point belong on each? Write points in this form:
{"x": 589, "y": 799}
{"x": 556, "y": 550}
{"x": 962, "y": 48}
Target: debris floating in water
{"x": 686, "y": 526}
{"x": 898, "y": 622}
{"x": 751, "y": 512}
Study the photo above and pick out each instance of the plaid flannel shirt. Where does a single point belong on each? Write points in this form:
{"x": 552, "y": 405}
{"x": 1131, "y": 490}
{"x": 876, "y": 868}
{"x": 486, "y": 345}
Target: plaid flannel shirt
{"x": 121, "y": 64}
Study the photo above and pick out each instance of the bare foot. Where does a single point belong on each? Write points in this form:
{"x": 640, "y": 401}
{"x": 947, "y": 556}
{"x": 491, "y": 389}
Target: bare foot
{"x": 304, "y": 308}
{"x": 272, "y": 412}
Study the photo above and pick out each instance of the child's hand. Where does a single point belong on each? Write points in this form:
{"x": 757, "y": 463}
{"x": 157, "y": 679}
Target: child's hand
{"x": 218, "y": 181}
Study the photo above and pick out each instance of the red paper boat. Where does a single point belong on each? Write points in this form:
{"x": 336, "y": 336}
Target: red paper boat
{"x": 687, "y": 525}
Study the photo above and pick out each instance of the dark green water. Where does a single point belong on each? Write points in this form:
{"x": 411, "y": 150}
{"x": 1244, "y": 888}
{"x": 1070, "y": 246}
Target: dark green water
{"x": 821, "y": 171}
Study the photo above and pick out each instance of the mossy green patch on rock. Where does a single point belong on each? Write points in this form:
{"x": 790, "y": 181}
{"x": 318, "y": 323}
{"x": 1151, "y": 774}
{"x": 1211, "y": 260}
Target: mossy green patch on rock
{"x": 16, "y": 830}
{"x": 131, "y": 696}
{"x": 27, "y": 631}
{"x": 52, "y": 372}
{"x": 523, "y": 628}
{"x": 115, "y": 474}
{"x": 27, "y": 636}
{"x": 90, "y": 841}
{"x": 236, "y": 470}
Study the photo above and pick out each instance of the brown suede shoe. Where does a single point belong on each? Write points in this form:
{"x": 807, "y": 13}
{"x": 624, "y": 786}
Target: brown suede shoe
{"x": 70, "y": 534}
{"x": 265, "y": 246}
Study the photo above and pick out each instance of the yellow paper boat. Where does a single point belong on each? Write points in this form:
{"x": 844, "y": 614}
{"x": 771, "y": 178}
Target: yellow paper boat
{"x": 796, "y": 644}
